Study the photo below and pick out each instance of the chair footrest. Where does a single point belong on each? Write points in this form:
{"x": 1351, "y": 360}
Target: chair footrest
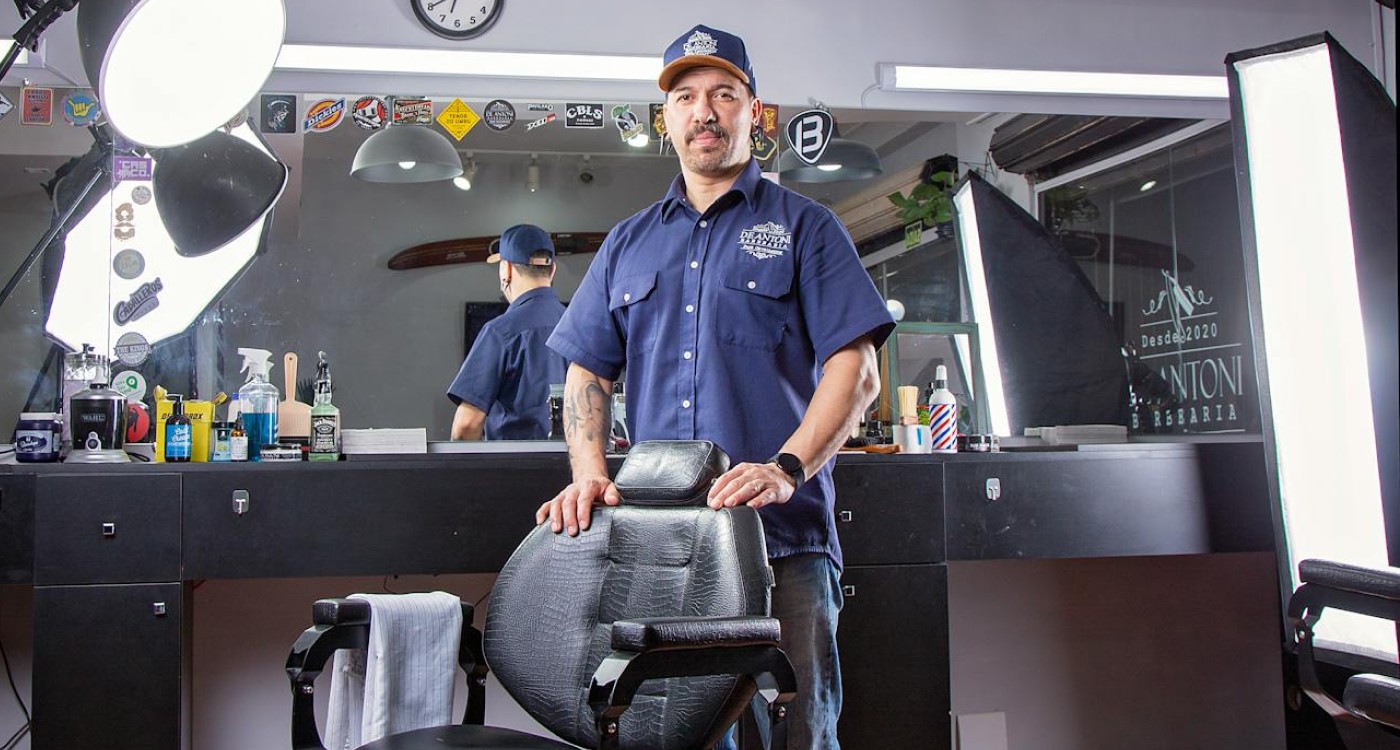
{"x": 687, "y": 632}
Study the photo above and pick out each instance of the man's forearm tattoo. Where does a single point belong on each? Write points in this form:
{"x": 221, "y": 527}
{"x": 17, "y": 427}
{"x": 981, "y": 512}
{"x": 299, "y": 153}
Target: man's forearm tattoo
{"x": 588, "y": 414}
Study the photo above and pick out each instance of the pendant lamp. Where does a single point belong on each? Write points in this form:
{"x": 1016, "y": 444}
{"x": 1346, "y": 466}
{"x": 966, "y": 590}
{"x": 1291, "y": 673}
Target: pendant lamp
{"x": 406, "y": 153}
{"x": 170, "y": 71}
{"x": 842, "y": 160}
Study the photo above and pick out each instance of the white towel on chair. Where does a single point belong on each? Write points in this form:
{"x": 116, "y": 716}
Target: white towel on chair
{"x": 405, "y": 679}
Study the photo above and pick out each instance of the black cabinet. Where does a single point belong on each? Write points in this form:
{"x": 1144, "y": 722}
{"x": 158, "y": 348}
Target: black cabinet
{"x": 110, "y": 664}
{"x": 893, "y": 641}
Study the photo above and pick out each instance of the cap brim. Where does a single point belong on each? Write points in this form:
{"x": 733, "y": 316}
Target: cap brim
{"x": 680, "y": 65}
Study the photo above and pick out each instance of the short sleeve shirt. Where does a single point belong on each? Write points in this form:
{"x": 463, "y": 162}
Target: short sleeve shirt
{"x": 508, "y": 372}
{"x": 723, "y": 321}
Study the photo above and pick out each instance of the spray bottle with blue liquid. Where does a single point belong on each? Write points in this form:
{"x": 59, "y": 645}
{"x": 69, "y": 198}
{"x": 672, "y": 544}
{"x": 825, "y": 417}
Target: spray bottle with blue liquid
{"x": 258, "y": 402}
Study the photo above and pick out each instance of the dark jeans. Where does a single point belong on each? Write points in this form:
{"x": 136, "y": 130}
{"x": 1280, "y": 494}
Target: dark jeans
{"x": 807, "y": 601}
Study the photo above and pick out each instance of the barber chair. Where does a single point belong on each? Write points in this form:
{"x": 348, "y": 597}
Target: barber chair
{"x": 648, "y": 631}
{"x": 1368, "y": 714}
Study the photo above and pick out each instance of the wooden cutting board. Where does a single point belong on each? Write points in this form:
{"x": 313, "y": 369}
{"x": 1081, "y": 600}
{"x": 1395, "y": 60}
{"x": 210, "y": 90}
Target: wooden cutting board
{"x": 293, "y": 417}
{"x": 476, "y": 249}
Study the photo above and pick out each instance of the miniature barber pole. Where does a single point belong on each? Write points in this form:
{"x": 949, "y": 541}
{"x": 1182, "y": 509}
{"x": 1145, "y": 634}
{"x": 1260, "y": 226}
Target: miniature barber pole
{"x": 943, "y": 414}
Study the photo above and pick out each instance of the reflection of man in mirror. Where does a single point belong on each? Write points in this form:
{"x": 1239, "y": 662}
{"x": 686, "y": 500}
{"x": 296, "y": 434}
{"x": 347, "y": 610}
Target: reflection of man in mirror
{"x": 742, "y": 315}
{"x": 502, "y": 390}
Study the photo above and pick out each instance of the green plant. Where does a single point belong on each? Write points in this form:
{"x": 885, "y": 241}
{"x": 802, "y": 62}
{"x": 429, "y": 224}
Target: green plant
{"x": 929, "y": 203}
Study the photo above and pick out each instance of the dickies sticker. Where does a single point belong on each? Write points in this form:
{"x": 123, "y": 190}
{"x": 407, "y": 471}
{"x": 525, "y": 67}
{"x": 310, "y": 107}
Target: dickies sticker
{"x": 324, "y": 115}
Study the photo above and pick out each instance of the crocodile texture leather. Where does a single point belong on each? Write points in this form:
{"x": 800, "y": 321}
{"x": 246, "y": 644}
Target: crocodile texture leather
{"x": 1383, "y": 582}
{"x": 670, "y": 472}
{"x": 683, "y": 632}
{"x": 550, "y": 620}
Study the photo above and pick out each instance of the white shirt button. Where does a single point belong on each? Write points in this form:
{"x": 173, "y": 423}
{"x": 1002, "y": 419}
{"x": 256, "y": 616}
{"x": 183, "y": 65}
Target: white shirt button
{"x": 695, "y": 264}
{"x": 753, "y": 284}
{"x": 704, "y": 223}
{"x": 686, "y": 355}
{"x": 685, "y": 404}
{"x": 690, "y": 308}
{"x": 627, "y": 297}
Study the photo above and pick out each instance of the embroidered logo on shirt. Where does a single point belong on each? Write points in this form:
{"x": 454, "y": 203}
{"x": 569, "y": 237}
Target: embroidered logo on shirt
{"x": 767, "y": 240}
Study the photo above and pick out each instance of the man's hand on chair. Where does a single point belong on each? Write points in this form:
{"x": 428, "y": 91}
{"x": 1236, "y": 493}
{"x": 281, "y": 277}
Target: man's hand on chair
{"x": 572, "y": 509}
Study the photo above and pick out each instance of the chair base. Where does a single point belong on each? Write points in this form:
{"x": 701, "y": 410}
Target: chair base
{"x": 466, "y": 736}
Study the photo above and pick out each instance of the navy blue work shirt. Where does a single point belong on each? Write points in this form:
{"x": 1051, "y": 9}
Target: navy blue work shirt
{"x": 723, "y": 321}
{"x": 508, "y": 372}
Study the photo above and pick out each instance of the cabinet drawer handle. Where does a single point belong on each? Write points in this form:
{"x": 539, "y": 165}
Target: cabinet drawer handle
{"x": 844, "y": 516}
{"x": 848, "y": 591}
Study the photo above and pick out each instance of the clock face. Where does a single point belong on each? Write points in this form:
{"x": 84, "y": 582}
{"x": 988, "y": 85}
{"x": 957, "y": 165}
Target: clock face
{"x": 457, "y": 19}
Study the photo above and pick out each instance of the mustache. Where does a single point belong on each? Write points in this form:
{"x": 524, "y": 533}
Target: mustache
{"x": 708, "y": 127}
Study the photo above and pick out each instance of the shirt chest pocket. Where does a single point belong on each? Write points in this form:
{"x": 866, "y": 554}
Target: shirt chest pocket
{"x": 630, "y": 301}
{"x": 758, "y": 305}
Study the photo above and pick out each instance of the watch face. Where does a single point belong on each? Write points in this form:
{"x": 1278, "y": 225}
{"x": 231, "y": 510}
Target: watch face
{"x": 457, "y": 19}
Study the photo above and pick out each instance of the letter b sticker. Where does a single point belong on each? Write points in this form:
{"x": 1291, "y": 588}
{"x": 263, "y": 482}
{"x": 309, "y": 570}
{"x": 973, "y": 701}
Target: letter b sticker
{"x": 809, "y": 133}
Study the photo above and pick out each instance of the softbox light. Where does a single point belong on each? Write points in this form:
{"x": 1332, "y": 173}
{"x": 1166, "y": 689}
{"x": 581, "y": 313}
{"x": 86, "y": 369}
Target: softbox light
{"x": 1315, "y": 154}
{"x": 1049, "y": 352}
{"x": 170, "y": 71}
{"x": 122, "y": 279}
{"x": 211, "y": 190}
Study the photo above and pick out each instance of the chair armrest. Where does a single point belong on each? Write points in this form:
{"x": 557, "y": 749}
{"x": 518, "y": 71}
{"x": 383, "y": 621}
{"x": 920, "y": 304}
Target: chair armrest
{"x": 684, "y": 647}
{"x": 308, "y": 658}
{"x": 1352, "y": 588}
{"x": 1374, "y": 696}
{"x": 659, "y": 633}
{"x": 1380, "y": 582}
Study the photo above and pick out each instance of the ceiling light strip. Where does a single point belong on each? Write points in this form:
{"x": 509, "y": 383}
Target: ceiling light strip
{"x": 1064, "y": 82}
{"x": 334, "y": 58}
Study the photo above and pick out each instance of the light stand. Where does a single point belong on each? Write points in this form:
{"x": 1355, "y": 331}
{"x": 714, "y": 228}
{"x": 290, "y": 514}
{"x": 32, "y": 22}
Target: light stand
{"x": 28, "y": 35}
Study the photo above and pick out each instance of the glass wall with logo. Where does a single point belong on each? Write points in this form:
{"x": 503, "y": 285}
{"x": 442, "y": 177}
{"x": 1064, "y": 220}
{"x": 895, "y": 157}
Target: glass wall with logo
{"x": 1159, "y": 238}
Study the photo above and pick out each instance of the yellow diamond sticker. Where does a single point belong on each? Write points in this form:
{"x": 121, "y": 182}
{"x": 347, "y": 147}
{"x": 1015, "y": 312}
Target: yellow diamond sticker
{"x": 458, "y": 119}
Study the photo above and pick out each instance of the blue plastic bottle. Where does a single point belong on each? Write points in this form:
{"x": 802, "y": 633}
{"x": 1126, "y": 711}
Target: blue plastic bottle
{"x": 258, "y": 402}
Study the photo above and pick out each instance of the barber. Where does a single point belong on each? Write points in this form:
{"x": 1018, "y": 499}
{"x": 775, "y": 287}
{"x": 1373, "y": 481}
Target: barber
{"x": 502, "y": 389}
{"x": 742, "y": 315}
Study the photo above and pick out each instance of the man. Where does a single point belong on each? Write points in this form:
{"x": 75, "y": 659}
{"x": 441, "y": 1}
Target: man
{"x": 742, "y": 315}
{"x": 502, "y": 389}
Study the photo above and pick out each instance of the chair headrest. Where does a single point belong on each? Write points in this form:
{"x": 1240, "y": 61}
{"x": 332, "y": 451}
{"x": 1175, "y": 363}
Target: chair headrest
{"x": 670, "y": 472}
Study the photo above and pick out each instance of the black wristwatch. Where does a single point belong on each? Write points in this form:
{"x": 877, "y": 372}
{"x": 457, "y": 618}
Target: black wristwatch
{"x": 792, "y": 466}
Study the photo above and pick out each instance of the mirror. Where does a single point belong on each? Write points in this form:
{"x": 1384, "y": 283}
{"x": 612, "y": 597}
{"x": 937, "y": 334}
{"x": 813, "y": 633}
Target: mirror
{"x": 395, "y": 337}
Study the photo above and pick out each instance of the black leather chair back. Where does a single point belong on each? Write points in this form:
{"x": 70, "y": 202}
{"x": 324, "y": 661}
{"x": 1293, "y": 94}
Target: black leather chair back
{"x": 551, "y": 614}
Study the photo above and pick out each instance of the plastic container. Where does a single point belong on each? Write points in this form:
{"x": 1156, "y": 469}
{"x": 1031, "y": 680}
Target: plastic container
{"x": 38, "y": 437}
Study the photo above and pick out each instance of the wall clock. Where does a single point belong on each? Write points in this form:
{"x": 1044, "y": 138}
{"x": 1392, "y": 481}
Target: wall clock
{"x": 457, "y": 19}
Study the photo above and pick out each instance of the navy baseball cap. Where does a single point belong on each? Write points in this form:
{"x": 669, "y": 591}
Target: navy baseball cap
{"x": 521, "y": 241}
{"x": 704, "y": 47}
